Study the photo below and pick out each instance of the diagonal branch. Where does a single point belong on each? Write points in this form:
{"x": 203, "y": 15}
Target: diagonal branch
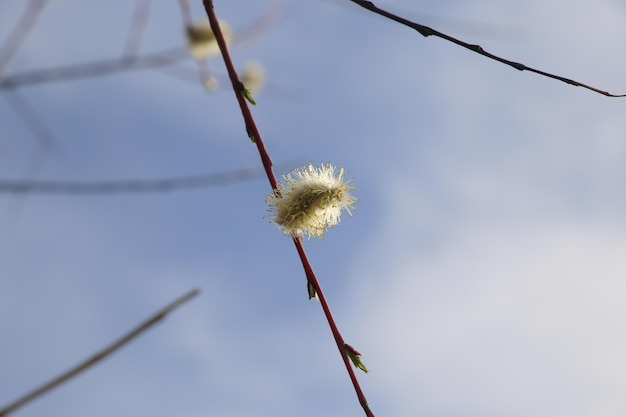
{"x": 273, "y": 12}
{"x": 83, "y": 366}
{"x": 206, "y": 77}
{"x": 426, "y": 32}
{"x": 253, "y": 133}
{"x": 20, "y": 31}
{"x": 137, "y": 28}
{"x": 32, "y": 120}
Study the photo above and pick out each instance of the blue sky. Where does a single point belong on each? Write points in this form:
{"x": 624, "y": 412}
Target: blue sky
{"x": 482, "y": 272}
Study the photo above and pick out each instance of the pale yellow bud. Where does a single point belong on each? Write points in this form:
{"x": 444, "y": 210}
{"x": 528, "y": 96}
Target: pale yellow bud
{"x": 253, "y": 77}
{"x": 310, "y": 200}
{"x": 201, "y": 40}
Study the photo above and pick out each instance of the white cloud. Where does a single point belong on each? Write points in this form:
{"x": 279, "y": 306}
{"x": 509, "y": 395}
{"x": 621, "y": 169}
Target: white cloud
{"x": 504, "y": 320}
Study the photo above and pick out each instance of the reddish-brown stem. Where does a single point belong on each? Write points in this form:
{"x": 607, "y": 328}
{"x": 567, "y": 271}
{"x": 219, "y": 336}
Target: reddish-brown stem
{"x": 253, "y": 133}
{"x": 312, "y": 278}
{"x": 251, "y": 127}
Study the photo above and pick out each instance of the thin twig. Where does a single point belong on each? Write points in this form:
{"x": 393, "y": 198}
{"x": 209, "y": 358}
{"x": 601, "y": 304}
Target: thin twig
{"x": 46, "y": 142}
{"x": 426, "y": 31}
{"x": 137, "y": 28}
{"x": 10, "y": 216}
{"x": 185, "y": 11}
{"x": 91, "y": 188}
{"x": 104, "y": 67}
{"x": 160, "y": 315}
{"x": 129, "y": 61}
{"x": 32, "y": 120}
{"x": 22, "y": 28}
{"x": 201, "y": 64}
{"x": 273, "y": 12}
{"x": 254, "y": 134}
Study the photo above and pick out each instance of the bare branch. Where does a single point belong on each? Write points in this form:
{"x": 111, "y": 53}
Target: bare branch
{"x": 9, "y": 217}
{"x": 137, "y": 28}
{"x": 162, "y": 185}
{"x": 254, "y": 134}
{"x": 273, "y": 12}
{"x": 185, "y": 10}
{"x": 129, "y": 61}
{"x": 426, "y": 32}
{"x": 31, "y": 119}
{"x": 101, "y": 68}
{"x": 83, "y": 366}
{"x": 20, "y": 31}
{"x": 204, "y": 72}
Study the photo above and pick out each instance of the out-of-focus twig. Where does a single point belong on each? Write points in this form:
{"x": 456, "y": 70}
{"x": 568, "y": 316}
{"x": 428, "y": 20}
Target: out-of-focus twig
{"x": 46, "y": 142}
{"x": 130, "y": 61}
{"x": 163, "y": 185}
{"x": 203, "y": 66}
{"x": 10, "y": 216}
{"x": 31, "y": 119}
{"x": 101, "y": 68}
{"x": 272, "y": 13}
{"x": 185, "y": 11}
{"x": 137, "y": 28}
{"x": 22, "y": 28}
{"x": 426, "y": 32}
{"x": 98, "y": 357}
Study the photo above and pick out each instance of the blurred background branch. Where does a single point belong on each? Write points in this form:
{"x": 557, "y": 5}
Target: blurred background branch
{"x": 101, "y": 355}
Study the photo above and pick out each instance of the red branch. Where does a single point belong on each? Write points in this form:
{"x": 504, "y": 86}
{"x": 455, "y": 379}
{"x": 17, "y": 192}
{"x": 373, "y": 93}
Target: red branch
{"x": 253, "y": 133}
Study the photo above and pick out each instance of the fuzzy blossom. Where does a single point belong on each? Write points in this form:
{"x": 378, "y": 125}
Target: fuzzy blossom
{"x": 310, "y": 199}
{"x": 253, "y": 77}
{"x": 201, "y": 40}
{"x": 211, "y": 83}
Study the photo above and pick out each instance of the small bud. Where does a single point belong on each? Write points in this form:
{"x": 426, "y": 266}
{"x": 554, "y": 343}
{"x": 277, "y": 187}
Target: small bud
{"x": 355, "y": 357}
{"x": 311, "y": 289}
{"x": 246, "y": 93}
